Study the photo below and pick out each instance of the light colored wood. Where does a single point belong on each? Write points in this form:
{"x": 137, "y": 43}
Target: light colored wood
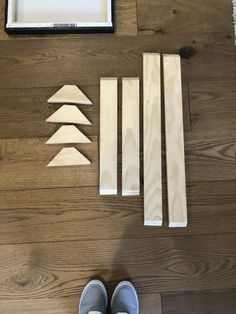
{"x": 176, "y": 183}
{"x": 70, "y": 94}
{"x": 68, "y": 134}
{"x": 152, "y": 140}
{"x": 69, "y": 156}
{"x": 108, "y": 136}
{"x": 68, "y": 114}
{"x": 130, "y": 137}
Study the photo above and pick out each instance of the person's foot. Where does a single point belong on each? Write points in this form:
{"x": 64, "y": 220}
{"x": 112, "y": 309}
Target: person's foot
{"x": 94, "y": 298}
{"x": 125, "y": 299}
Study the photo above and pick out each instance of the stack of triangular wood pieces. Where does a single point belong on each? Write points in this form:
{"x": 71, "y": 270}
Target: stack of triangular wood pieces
{"x": 69, "y": 115}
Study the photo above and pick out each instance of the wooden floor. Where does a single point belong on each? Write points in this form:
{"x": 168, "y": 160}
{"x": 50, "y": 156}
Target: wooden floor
{"x": 56, "y": 232}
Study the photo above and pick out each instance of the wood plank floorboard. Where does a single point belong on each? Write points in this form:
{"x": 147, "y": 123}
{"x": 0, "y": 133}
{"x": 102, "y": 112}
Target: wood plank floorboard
{"x": 55, "y": 270}
{"x": 205, "y": 302}
{"x": 64, "y": 214}
{"x": 184, "y": 17}
{"x": 84, "y": 61}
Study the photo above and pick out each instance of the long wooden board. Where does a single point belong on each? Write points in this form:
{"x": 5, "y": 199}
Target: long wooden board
{"x": 130, "y": 137}
{"x": 152, "y": 139}
{"x": 176, "y": 183}
{"x": 108, "y": 136}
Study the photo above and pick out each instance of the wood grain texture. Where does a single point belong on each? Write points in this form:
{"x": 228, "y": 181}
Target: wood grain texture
{"x": 69, "y": 94}
{"x": 150, "y": 303}
{"x": 55, "y": 270}
{"x": 49, "y": 215}
{"x": 214, "y": 59}
{"x": 152, "y": 139}
{"x": 68, "y": 134}
{"x": 130, "y": 137}
{"x": 69, "y": 156}
{"x": 68, "y": 114}
{"x": 23, "y": 165}
{"x": 47, "y": 306}
{"x": 217, "y": 302}
{"x": 184, "y": 17}
{"x": 175, "y": 159}
{"x": 108, "y": 135}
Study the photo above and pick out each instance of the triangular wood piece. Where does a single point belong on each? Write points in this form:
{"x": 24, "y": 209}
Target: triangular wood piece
{"x": 70, "y": 94}
{"x": 69, "y": 157}
{"x": 68, "y": 134}
{"x": 68, "y": 114}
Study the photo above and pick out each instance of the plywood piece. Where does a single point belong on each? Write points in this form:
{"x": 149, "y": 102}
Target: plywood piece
{"x": 68, "y": 134}
{"x": 152, "y": 140}
{"x": 108, "y": 136}
{"x": 130, "y": 137}
{"x": 70, "y": 94}
{"x": 69, "y": 156}
{"x": 176, "y": 183}
{"x": 68, "y": 114}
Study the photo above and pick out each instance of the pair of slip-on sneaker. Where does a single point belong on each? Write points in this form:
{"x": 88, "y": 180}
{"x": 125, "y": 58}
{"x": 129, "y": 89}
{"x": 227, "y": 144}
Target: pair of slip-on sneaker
{"x": 94, "y": 299}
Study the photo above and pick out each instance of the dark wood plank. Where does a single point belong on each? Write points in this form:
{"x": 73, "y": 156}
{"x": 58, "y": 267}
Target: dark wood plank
{"x": 55, "y": 270}
{"x": 205, "y": 302}
{"x": 81, "y": 214}
{"x": 214, "y": 97}
{"x": 150, "y": 303}
{"x": 184, "y": 17}
{"x": 23, "y": 165}
{"x": 23, "y": 112}
{"x": 126, "y": 23}
{"x": 83, "y": 61}
{"x": 67, "y": 305}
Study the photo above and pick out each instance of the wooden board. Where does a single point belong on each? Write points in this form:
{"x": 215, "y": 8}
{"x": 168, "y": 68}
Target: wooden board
{"x": 130, "y": 137}
{"x": 68, "y": 134}
{"x": 176, "y": 182}
{"x": 108, "y": 136}
{"x": 69, "y": 156}
{"x": 152, "y": 139}
{"x": 68, "y": 114}
{"x": 70, "y": 94}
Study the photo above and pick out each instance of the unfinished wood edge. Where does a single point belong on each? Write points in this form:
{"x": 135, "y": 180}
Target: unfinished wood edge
{"x": 153, "y": 223}
{"x": 108, "y": 192}
{"x": 130, "y": 193}
{"x": 180, "y": 224}
{"x": 108, "y": 78}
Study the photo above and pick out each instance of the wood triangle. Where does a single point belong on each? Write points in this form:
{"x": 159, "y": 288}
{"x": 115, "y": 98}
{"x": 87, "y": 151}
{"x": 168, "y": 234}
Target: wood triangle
{"x": 70, "y": 94}
{"x": 68, "y": 134}
{"x": 68, "y": 114}
{"x": 69, "y": 157}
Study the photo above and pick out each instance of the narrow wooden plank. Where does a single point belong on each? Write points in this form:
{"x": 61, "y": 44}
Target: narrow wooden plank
{"x": 55, "y": 270}
{"x": 152, "y": 140}
{"x": 150, "y": 303}
{"x": 64, "y": 215}
{"x": 68, "y": 134}
{"x": 130, "y": 137}
{"x": 217, "y": 302}
{"x": 176, "y": 182}
{"x": 69, "y": 156}
{"x": 68, "y": 114}
{"x": 108, "y": 135}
